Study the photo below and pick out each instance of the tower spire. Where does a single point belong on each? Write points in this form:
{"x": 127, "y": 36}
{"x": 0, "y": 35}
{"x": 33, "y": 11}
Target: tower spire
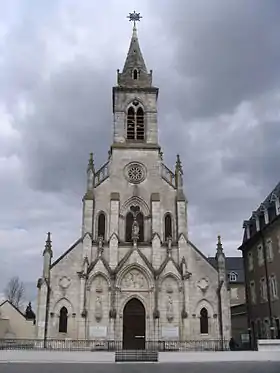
{"x": 134, "y": 57}
{"x": 134, "y": 73}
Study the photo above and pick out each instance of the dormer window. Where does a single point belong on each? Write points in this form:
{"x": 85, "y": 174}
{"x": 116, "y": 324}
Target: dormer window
{"x": 135, "y": 74}
{"x": 232, "y": 277}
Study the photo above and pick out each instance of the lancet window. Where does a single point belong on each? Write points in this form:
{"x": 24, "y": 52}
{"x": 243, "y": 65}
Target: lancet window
{"x": 63, "y": 320}
{"x": 101, "y": 224}
{"x": 135, "y": 122}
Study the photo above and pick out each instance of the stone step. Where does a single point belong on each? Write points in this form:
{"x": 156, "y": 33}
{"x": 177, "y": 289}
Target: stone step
{"x": 136, "y": 355}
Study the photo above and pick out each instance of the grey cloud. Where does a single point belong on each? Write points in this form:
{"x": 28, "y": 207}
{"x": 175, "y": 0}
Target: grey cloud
{"x": 224, "y": 52}
{"x": 207, "y": 58}
{"x": 72, "y": 116}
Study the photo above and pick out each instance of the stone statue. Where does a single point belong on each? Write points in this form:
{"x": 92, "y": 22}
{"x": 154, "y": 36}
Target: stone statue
{"x": 100, "y": 245}
{"x": 98, "y": 308}
{"x": 169, "y": 309}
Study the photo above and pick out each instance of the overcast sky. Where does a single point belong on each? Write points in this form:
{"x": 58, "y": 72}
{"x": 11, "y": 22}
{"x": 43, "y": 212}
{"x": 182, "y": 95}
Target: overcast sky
{"x": 217, "y": 64}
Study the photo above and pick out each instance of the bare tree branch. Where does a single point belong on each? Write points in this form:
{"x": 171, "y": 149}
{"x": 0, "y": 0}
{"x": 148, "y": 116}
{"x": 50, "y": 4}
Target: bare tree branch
{"x": 14, "y": 291}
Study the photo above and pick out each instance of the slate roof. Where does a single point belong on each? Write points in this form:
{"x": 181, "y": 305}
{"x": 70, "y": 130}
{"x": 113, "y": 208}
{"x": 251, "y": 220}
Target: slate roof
{"x": 233, "y": 264}
{"x": 268, "y": 204}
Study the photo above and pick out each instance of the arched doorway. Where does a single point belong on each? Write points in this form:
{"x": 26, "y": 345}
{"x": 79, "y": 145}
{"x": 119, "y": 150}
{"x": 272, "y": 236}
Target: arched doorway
{"x": 134, "y": 325}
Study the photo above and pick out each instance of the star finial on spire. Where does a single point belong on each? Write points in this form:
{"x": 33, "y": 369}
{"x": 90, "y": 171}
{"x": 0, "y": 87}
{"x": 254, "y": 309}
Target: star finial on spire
{"x": 135, "y": 17}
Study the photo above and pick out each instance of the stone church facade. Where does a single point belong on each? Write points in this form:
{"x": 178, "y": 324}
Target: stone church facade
{"x": 133, "y": 275}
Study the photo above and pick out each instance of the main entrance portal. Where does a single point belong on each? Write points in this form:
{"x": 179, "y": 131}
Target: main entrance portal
{"x": 134, "y": 325}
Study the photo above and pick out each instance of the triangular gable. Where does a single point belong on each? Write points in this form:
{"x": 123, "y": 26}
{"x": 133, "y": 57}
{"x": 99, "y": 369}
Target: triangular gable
{"x": 125, "y": 259}
{"x": 67, "y": 252}
{"x": 99, "y": 259}
{"x": 13, "y": 306}
{"x": 201, "y": 254}
{"x": 166, "y": 261}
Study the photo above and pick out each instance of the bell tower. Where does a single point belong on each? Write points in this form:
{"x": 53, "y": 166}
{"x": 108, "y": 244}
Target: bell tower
{"x": 135, "y": 99}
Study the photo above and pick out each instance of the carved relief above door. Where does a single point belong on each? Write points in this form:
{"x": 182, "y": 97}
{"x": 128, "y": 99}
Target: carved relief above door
{"x": 134, "y": 280}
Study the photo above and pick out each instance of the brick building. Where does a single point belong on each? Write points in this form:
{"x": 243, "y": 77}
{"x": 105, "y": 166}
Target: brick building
{"x": 261, "y": 255}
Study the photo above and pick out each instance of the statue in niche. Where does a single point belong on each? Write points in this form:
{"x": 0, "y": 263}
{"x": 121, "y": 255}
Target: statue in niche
{"x": 169, "y": 309}
{"x": 100, "y": 245}
{"x": 99, "y": 287}
{"x": 184, "y": 266}
{"x": 98, "y": 308}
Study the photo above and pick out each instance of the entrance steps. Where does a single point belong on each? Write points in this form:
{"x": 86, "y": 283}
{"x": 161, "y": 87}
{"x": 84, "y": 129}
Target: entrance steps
{"x": 136, "y": 355}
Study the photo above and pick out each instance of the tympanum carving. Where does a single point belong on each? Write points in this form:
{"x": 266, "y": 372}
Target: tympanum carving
{"x": 134, "y": 280}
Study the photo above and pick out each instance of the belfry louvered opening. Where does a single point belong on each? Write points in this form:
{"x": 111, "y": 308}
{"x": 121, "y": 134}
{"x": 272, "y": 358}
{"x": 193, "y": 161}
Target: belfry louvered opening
{"x": 135, "y": 123}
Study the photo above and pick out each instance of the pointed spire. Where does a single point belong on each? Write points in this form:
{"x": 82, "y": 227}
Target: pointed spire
{"x": 178, "y": 173}
{"x": 48, "y": 245}
{"x": 220, "y": 250}
{"x": 178, "y": 167}
{"x": 90, "y": 163}
{"x": 134, "y": 73}
{"x": 134, "y": 59}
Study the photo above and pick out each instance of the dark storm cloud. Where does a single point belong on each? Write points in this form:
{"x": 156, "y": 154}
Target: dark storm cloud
{"x": 217, "y": 66}
{"x": 71, "y": 118}
{"x": 224, "y": 51}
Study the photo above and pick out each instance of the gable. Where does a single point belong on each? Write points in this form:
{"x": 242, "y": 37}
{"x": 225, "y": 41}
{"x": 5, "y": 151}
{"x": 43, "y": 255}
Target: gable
{"x": 67, "y": 252}
{"x": 8, "y": 309}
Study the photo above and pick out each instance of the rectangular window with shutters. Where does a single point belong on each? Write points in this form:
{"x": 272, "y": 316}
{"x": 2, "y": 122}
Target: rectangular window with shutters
{"x": 252, "y": 292}
{"x": 260, "y": 255}
{"x": 263, "y": 290}
{"x": 273, "y": 287}
{"x": 250, "y": 261}
{"x": 269, "y": 250}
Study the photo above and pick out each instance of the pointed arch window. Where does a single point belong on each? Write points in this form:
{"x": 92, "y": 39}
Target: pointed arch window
{"x": 101, "y": 224}
{"x": 204, "y": 321}
{"x": 135, "y": 122}
{"x": 131, "y": 123}
{"x": 135, "y": 74}
{"x": 63, "y": 320}
{"x": 167, "y": 226}
{"x": 128, "y": 226}
{"x": 140, "y": 124}
{"x": 140, "y": 221}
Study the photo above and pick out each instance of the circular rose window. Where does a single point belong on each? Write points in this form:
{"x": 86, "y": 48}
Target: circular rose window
{"x": 135, "y": 173}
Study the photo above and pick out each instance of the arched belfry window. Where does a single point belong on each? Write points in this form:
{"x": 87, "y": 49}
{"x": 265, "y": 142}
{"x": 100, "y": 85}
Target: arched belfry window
{"x": 135, "y": 122}
{"x": 167, "y": 227}
{"x": 204, "y": 321}
{"x": 101, "y": 225}
{"x": 140, "y": 124}
{"x": 63, "y": 318}
{"x": 131, "y": 123}
{"x": 135, "y": 74}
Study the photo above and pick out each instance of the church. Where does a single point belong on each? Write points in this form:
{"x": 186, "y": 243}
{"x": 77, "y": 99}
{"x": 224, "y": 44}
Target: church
{"x": 133, "y": 276}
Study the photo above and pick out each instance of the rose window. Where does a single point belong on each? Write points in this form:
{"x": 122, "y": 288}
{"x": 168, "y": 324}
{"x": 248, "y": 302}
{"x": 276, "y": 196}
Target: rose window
{"x": 135, "y": 173}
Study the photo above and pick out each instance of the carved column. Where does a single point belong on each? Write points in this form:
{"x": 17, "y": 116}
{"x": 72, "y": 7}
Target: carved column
{"x": 156, "y": 313}
{"x": 112, "y": 311}
{"x": 156, "y": 213}
{"x": 83, "y": 311}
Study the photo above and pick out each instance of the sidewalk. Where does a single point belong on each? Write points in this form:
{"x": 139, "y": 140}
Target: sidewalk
{"x": 109, "y": 357}
{"x": 193, "y": 357}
